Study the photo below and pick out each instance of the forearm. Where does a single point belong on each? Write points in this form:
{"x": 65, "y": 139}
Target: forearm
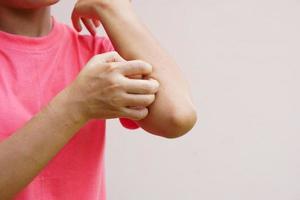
{"x": 133, "y": 41}
{"x": 24, "y": 154}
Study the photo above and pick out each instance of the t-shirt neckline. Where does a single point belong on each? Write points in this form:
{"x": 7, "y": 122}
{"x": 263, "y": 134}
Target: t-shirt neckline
{"x": 26, "y": 43}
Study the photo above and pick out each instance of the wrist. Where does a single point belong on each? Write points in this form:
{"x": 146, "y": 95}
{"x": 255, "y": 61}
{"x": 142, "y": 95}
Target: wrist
{"x": 64, "y": 108}
{"x": 109, "y": 10}
{"x": 110, "y": 5}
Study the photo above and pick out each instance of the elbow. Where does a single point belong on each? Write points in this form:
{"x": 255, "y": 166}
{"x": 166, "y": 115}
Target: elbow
{"x": 182, "y": 123}
{"x": 174, "y": 125}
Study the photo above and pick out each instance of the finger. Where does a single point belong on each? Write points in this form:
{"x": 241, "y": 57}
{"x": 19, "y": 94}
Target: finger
{"x": 135, "y": 67}
{"x": 96, "y": 22}
{"x": 138, "y": 76}
{"x": 89, "y": 25}
{"x": 136, "y": 107}
{"x": 109, "y": 57}
{"x": 76, "y": 21}
{"x": 141, "y": 100}
{"x": 134, "y": 114}
{"x": 140, "y": 86}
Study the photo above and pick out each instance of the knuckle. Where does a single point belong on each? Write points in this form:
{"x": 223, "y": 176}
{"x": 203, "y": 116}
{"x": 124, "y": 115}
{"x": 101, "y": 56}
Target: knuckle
{"x": 151, "y": 98}
{"x": 145, "y": 101}
{"x": 143, "y": 64}
{"x": 138, "y": 115}
{"x": 110, "y": 82}
{"x": 110, "y": 67}
{"x": 156, "y": 83}
{"x": 116, "y": 100}
{"x": 114, "y": 85}
{"x": 156, "y": 86}
{"x": 138, "y": 61}
{"x": 148, "y": 67}
{"x": 114, "y": 54}
{"x": 152, "y": 88}
{"x": 143, "y": 113}
{"x": 148, "y": 88}
{"x": 98, "y": 56}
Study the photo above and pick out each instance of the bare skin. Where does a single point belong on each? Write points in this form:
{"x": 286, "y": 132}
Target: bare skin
{"x": 39, "y": 26}
{"x": 173, "y": 104}
{"x": 110, "y": 94}
{"x": 29, "y": 149}
{"x": 101, "y": 90}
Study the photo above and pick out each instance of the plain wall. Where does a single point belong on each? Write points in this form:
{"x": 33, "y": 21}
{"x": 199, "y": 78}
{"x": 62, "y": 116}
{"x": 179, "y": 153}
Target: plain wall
{"x": 241, "y": 59}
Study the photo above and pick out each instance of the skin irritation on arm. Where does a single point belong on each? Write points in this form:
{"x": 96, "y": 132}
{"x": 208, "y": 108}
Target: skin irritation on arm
{"x": 27, "y": 151}
{"x": 172, "y": 114}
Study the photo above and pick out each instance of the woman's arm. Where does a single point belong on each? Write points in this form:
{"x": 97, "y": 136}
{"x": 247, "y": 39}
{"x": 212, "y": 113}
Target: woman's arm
{"x": 24, "y": 154}
{"x": 173, "y": 113}
{"x": 96, "y": 93}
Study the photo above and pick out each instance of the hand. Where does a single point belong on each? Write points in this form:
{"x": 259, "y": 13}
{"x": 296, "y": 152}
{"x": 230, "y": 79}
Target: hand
{"x": 104, "y": 90}
{"x": 88, "y": 11}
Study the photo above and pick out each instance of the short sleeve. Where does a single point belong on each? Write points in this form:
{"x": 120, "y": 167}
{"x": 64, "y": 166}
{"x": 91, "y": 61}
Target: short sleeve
{"x": 106, "y": 46}
{"x": 128, "y": 123}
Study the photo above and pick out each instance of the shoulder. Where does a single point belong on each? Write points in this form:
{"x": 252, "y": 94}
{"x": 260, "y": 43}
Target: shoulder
{"x": 84, "y": 42}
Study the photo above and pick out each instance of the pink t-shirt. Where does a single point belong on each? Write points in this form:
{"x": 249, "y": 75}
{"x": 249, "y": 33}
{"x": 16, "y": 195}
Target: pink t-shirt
{"x": 32, "y": 72}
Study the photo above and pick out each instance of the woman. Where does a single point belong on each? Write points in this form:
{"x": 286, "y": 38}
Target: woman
{"x": 57, "y": 88}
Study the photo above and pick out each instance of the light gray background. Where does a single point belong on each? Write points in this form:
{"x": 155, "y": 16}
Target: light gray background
{"x": 242, "y": 61}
